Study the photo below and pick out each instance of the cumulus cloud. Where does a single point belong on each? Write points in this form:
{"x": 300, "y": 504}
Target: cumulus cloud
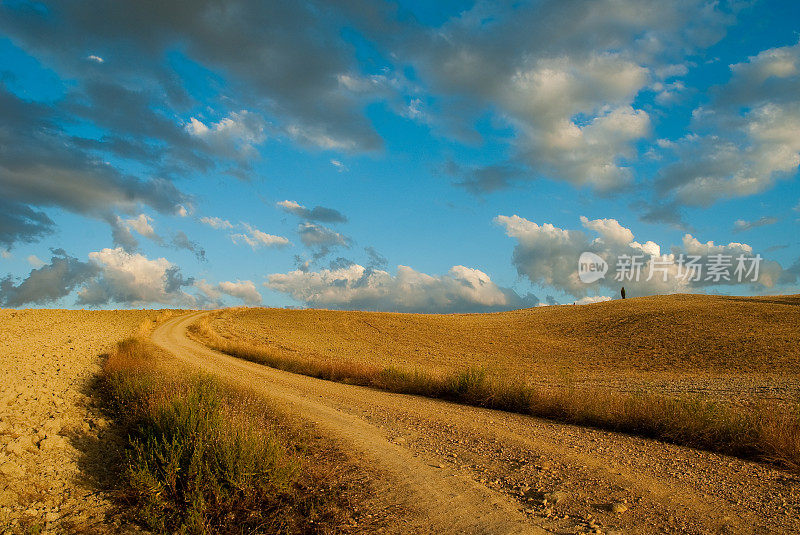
{"x": 116, "y": 276}
{"x": 355, "y": 287}
{"x": 135, "y": 107}
{"x": 133, "y": 279}
{"x": 244, "y": 290}
{"x": 318, "y": 213}
{"x": 570, "y": 100}
{"x": 256, "y": 238}
{"x": 745, "y": 140}
{"x": 142, "y": 225}
{"x": 235, "y": 136}
{"x": 548, "y": 256}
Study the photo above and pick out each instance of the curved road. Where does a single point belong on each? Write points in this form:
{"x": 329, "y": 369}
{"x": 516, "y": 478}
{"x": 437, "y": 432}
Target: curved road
{"x": 468, "y": 470}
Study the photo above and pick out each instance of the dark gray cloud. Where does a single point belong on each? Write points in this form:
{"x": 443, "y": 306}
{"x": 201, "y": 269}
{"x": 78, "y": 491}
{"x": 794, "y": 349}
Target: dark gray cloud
{"x": 340, "y": 263}
{"x": 20, "y": 223}
{"x": 285, "y": 67}
{"x": 321, "y": 239}
{"x": 484, "y": 179}
{"x": 740, "y": 225}
{"x": 375, "y": 259}
{"x": 40, "y": 166}
{"x": 318, "y": 213}
{"x": 121, "y": 235}
{"x": 778, "y": 247}
{"x": 669, "y": 213}
{"x": 47, "y": 283}
{"x": 284, "y": 59}
{"x": 181, "y": 241}
{"x": 791, "y": 274}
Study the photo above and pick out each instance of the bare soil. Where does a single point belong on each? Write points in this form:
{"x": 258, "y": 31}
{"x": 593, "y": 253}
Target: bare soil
{"x": 53, "y": 443}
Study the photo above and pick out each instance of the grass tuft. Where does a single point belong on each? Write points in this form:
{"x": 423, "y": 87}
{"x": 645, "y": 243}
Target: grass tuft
{"x": 203, "y": 457}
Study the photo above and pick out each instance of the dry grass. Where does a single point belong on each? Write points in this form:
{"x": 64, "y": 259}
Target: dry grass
{"x": 203, "y": 457}
{"x": 684, "y": 333}
{"x": 759, "y": 431}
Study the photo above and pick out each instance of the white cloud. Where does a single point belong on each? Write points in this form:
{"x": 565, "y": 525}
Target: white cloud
{"x": 141, "y": 224}
{"x": 588, "y": 300}
{"x": 339, "y": 165}
{"x": 291, "y": 206}
{"x": 182, "y": 211}
{"x": 244, "y": 290}
{"x": 571, "y": 100}
{"x": 319, "y": 138}
{"x": 234, "y": 136}
{"x": 96, "y": 59}
{"x": 35, "y": 261}
{"x": 462, "y": 289}
{"x": 255, "y": 238}
{"x": 4, "y": 253}
{"x": 545, "y": 99}
{"x": 133, "y": 279}
{"x": 216, "y": 222}
{"x": 746, "y": 139}
{"x": 548, "y": 256}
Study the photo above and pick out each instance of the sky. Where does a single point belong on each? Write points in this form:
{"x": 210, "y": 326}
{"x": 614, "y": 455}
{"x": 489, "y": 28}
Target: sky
{"x": 402, "y": 156}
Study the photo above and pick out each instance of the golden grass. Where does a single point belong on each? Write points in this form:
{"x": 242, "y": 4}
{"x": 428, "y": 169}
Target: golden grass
{"x": 203, "y": 457}
{"x": 661, "y": 333}
{"x": 632, "y": 327}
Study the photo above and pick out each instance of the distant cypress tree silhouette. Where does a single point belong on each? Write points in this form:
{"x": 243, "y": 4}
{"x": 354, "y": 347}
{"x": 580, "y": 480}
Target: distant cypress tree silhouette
{"x": 622, "y": 292}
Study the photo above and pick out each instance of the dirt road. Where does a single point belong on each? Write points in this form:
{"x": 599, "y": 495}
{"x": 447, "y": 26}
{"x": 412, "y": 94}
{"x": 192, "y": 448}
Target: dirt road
{"x": 469, "y": 470}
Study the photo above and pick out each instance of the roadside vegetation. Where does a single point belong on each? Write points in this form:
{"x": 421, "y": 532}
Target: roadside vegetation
{"x": 761, "y": 432}
{"x": 204, "y": 457}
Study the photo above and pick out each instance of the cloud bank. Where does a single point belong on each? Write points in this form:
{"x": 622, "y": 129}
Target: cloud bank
{"x": 355, "y": 287}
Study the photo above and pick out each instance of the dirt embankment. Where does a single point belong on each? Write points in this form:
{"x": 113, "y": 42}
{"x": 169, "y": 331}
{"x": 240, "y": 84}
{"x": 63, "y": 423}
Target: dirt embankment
{"x": 49, "y": 431}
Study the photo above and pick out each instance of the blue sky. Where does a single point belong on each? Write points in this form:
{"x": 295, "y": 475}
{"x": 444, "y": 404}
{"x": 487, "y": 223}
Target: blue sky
{"x": 411, "y": 156}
